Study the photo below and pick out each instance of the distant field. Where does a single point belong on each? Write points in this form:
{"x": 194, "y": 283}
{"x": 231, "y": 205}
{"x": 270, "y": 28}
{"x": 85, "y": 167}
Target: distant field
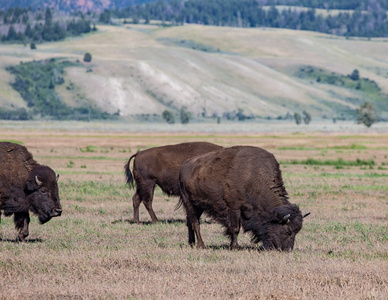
{"x": 139, "y": 69}
{"x": 95, "y": 251}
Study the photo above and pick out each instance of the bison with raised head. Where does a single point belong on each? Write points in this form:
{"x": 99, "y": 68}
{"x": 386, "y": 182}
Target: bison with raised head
{"x": 26, "y": 186}
{"x": 160, "y": 166}
{"x": 239, "y": 186}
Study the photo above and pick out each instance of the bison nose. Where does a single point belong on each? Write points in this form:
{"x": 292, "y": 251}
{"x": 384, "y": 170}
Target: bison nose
{"x": 57, "y": 212}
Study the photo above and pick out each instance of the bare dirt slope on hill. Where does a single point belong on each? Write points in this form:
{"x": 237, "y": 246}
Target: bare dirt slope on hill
{"x": 146, "y": 69}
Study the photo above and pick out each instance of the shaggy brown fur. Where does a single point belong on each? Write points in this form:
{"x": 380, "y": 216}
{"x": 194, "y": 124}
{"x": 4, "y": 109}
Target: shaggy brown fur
{"x": 160, "y": 165}
{"x": 26, "y": 185}
{"x": 239, "y": 186}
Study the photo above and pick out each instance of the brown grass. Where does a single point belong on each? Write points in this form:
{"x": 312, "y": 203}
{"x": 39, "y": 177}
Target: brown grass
{"x": 94, "y": 251}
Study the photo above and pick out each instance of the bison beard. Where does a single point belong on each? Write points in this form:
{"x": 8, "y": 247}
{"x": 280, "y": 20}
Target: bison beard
{"x": 160, "y": 166}
{"x": 239, "y": 186}
{"x": 26, "y": 185}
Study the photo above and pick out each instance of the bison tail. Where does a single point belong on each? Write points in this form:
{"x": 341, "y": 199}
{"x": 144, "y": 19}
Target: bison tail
{"x": 128, "y": 173}
{"x": 179, "y": 204}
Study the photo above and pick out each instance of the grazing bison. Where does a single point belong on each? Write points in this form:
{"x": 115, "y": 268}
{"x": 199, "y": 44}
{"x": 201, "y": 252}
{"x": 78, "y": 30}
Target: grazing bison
{"x": 26, "y": 186}
{"x": 239, "y": 186}
{"x": 160, "y": 165}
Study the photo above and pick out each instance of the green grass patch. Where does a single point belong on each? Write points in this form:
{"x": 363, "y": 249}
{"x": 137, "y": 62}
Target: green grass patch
{"x": 93, "y": 191}
{"x": 88, "y": 172}
{"x": 344, "y": 147}
{"x": 345, "y": 175}
{"x": 361, "y": 188}
{"x": 89, "y": 148}
{"x": 349, "y": 147}
{"x": 351, "y": 82}
{"x": 190, "y": 44}
{"x": 79, "y": 157}
{"x": 346, "y": 233}
{"x": 13, "y": 141}
{"x": 299, "y": 148}
{"x": 339, "y": 163}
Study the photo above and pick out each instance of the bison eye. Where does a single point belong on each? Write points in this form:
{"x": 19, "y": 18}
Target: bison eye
{"x": 287, "y": 231}
{"x": 44, "y": 191}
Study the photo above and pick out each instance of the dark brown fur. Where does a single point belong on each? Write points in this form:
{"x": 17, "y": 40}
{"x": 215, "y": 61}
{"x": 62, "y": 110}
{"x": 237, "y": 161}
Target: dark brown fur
{"x": 26, "y": 186}
{"x": 239, "y": 186}
{"x": 160, "y": 165}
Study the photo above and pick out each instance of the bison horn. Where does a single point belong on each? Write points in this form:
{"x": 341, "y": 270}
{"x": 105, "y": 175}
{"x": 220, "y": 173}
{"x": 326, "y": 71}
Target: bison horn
{"x": 57, "y": 177}
{"x": 306, "y": 214}
{"x": 286, "y": 217}
{"x": 38, "y": 182}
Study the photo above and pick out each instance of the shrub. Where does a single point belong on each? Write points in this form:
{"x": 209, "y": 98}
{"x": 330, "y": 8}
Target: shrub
{"x": 306, "y": 117}
{"x": 168, "y": 116}
{"x": 298, "y": 118}
{"x": 87, "y": 57}
{"x": 367, "y": 114}
{"x": 185, "y": 115}
{"x": 355, "y": 75}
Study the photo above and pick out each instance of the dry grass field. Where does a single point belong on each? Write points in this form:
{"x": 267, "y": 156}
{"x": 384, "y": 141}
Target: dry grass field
{"x": 94, "y": 251}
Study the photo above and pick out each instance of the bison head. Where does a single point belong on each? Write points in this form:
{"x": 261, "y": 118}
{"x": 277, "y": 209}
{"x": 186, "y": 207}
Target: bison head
{"x": 280, "y": 231}
{"x": 277, "y": 228}
{"x": 42, "y": 193}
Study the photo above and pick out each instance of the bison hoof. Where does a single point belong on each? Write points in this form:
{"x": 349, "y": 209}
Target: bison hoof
{"x": 20, "y": 239}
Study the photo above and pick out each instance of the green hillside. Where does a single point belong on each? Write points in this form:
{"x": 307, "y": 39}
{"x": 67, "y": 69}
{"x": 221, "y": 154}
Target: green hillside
{"x": 142, "y": 70}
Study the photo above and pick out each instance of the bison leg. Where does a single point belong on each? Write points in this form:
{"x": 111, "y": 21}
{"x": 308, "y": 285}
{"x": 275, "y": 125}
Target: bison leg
{"x": 148, "y": 206}
{"x": 191, "y": 233}
{"x": 144, "y": 193}
{"x": 21, "y": 220}
{"x": 234, "y": 229}
{"x": 200, "y": 242}
{"x": 136, "y": 204}
{"x": 194, "y": 228}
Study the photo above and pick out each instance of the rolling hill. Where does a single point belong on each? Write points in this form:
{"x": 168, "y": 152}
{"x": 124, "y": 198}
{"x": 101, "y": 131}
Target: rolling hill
{"x": 213, "y": 71}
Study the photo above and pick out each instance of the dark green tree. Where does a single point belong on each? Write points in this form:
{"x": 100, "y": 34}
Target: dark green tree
{"x": 48, "y": 19}
{"x": 87, "y": 57}
{"x": 355, "y": 75}
{"x": 306, "y": 117}
{"x": 298, "y": 118}
{"x": 185, "y": 115}
{"x": 367, "y": 114}
{"x": 12, "y": 34}
{"x": 168, "y": 116}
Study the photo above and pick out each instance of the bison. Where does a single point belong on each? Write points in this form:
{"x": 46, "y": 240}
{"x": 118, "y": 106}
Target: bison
{"x": 239, "y": 186}
{"x": 160, "y": 165}
{"x": 26, "y": 186}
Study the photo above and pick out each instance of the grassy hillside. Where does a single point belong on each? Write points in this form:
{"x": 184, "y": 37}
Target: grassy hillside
{"x": 140, "y": 69}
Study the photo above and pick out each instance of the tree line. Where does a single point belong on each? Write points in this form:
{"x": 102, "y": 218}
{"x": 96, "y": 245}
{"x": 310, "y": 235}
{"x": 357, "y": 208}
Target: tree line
{"x": 367, "y": 18}
{"x": 25, "y": 25}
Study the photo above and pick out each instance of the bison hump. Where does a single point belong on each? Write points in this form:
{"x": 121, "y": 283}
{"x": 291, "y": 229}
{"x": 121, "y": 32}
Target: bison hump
{"x": 16, "y": 162}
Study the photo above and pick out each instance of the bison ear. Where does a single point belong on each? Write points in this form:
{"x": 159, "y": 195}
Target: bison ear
{"x": 284, "y": 219}
{"x": 31, "y": 185}
{"x": 282, "y": 215}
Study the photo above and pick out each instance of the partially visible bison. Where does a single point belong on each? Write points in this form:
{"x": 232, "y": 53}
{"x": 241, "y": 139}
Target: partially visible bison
{"x": 26, "y": 186}
{"x": 240, "y": 186}
{"x": 161, "y": 166}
